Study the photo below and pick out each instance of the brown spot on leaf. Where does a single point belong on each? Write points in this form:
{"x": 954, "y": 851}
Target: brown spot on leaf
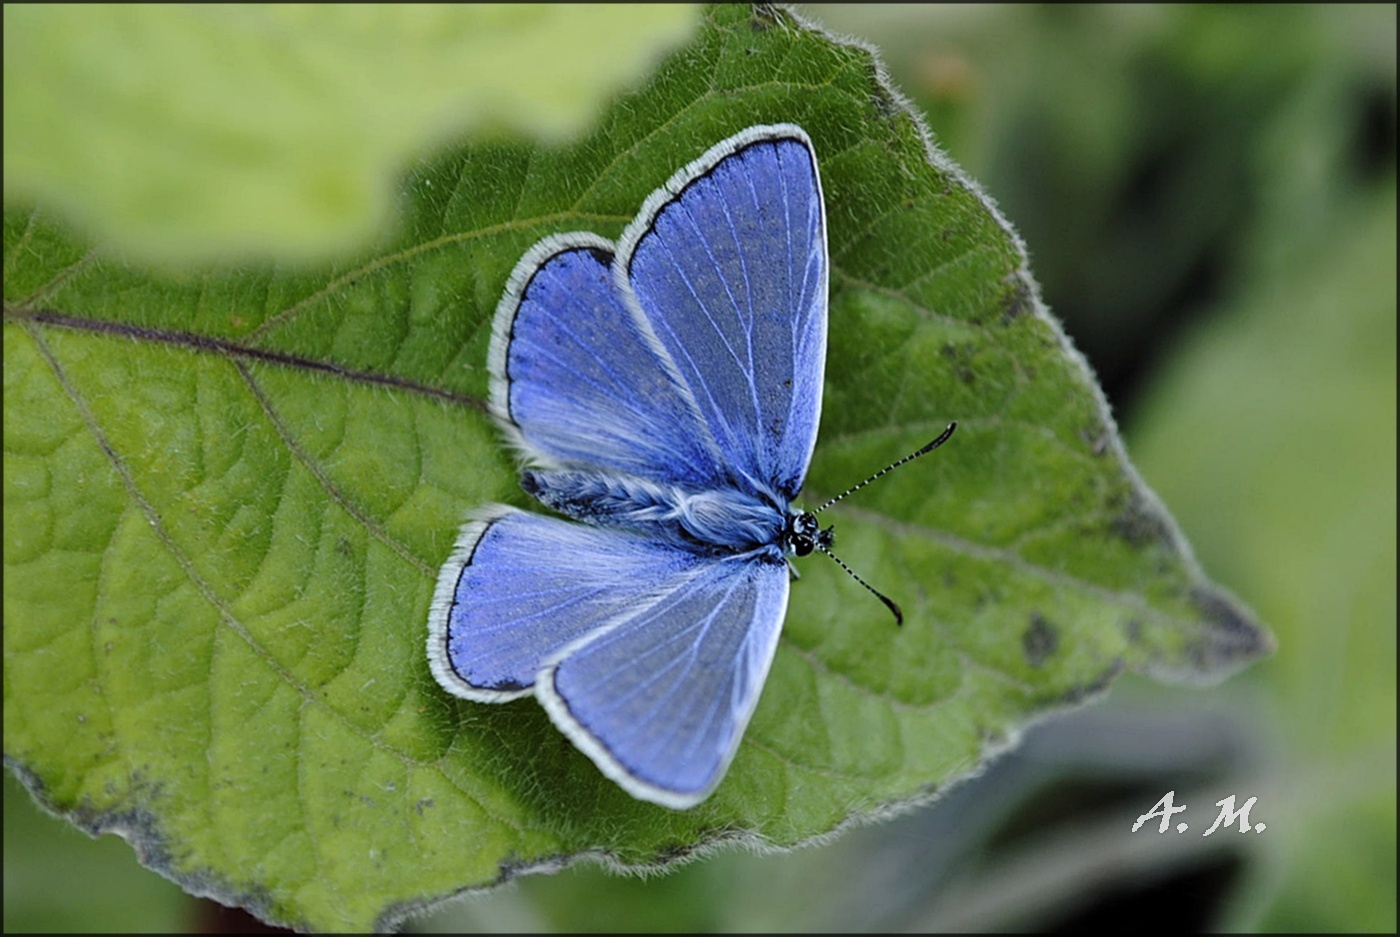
{"x": 1040, "y": 640}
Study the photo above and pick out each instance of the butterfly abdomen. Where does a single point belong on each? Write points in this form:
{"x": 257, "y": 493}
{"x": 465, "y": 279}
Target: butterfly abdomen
{"x": 719, "y": 521}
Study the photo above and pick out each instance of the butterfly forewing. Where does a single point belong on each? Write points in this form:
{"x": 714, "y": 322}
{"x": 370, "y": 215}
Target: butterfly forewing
{"x": 661, "y": 699}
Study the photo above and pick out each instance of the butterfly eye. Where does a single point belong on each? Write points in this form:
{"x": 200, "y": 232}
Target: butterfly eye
{"x": 804, "y": 534}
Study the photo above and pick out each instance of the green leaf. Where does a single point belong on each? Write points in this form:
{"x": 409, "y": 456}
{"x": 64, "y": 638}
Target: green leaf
{"x": 228, "y": 494}
{"x": 277, "y": 132}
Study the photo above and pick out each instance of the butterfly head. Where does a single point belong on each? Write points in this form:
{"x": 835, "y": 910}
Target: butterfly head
{"x": 804, "y": 534}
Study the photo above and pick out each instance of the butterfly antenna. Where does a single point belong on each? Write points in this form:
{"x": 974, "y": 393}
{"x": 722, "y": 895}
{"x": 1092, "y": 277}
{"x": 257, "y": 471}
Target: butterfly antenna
{"x": 889, "y": 468}
{"x": 889, "y": 602}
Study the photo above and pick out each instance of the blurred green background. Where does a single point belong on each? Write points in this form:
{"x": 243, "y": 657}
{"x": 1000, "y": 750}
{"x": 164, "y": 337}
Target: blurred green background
{"x": 1208, "y": 196}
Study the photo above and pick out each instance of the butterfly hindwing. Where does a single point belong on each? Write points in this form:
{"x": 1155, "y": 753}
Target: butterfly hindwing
{"x": 575, "y": 380}
{"x": 520, "y": 588}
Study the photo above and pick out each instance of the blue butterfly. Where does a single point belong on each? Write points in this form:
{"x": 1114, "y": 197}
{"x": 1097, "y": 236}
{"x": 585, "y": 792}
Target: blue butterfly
{"x": 665, "y": 390}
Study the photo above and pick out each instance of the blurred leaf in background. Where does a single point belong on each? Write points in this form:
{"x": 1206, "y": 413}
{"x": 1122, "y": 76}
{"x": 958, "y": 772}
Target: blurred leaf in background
{"x": 1285, "y": 209}
{"x": 211, "y": 132}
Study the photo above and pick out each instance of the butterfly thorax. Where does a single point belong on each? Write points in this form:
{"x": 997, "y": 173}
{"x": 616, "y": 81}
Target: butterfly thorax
{"x": 718, "y": 521}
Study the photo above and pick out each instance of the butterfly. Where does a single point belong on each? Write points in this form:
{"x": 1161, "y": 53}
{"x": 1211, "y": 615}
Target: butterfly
{"x": 664, "y": 391}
